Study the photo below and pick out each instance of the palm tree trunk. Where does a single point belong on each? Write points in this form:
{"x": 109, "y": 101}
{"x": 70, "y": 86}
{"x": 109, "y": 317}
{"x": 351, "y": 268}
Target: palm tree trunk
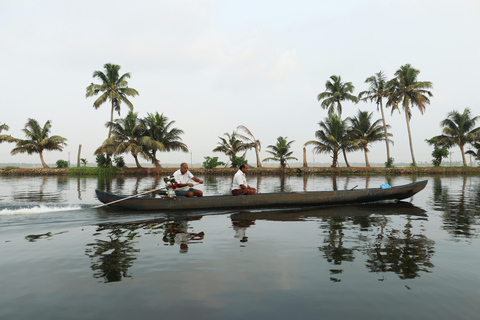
{"x": 385, "y": 130}
{"x": 259, "y": 163}
{"x": 335, "y": 158}
{"x": 463, "y": 156}
{"x": 345, "y": 157}
{"x": 43, "y": 161}
{"x": 111, "y": 121}
{"x": 136, "y": 162}
{"x": 155, "y": 160}
{"x": 366, "y": 157}
{"x": 410, "y": 138}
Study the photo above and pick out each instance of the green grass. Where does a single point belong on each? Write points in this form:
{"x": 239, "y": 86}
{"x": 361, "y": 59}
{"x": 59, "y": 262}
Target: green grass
{"x": 92, "y": 171}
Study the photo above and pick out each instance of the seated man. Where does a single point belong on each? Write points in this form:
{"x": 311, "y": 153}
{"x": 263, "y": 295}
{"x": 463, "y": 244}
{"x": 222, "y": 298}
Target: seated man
{"x": 183, "y": 177}
{"x": 240, "y": 186}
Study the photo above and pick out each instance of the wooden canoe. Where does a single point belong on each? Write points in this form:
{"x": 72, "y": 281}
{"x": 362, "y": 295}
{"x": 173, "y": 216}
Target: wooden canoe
{"x": 265, "y": 200}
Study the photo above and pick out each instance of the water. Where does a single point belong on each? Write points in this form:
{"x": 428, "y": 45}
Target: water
{"x": 62, "y": 259}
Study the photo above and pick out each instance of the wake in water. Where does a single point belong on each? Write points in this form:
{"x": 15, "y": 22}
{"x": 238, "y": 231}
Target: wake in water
{"x": 38, "y": 209}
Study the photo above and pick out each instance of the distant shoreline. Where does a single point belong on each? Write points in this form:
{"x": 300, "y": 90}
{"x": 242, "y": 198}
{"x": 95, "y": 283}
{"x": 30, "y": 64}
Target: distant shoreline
{"x": 199, "y": 171}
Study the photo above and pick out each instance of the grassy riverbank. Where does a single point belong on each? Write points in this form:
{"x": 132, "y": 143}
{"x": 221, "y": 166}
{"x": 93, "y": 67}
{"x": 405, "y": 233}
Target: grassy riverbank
{"x": 199, "y": 171}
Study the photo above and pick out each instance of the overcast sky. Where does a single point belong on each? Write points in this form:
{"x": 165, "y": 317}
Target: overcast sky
{"x": 213, "y": 65}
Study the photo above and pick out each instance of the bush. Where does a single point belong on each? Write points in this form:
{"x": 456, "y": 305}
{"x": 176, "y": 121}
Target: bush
{"x": 237, "y": 161}
{"x": 62, "y": 164}
{"x": 119, "y": 162}
{"x": 103, "y": 161}
{"x": 389, "y": 163}
{"x": 211, "y": 163}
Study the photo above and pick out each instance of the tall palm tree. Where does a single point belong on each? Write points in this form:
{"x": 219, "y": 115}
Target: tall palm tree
{"x": 407, "y": 93}
{"x": 4, "y": 137}
{"x": 379, "y": 89}
{"x": 128, "y": 136}
{"x": 231, "y": 145}
{"x": 281, "y": 152}
{"x": 364, "y": 132}
{"x": 38, "y": 140}
{"x": 335, "y": 92}
{"x": 165, "y": 137}
{"x": 114, "y": 87}
{"x": 252, "y": 141}
{"x": 459, "y": 129}
{"x": 331, "y": 138}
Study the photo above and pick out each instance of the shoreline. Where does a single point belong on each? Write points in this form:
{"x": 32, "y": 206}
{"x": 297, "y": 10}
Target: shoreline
{"x": 199, "y": 171}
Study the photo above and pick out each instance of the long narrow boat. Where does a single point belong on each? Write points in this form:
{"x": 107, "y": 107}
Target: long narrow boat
{"x": 264, "y": 200}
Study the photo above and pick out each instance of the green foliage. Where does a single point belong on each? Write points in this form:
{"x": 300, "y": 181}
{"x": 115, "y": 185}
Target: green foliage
{"x": 281, "y": 151}
{"x": 389, "y": 163}
{"x": 237, "y": 161}
{"x": 84, "y": 161}
{"x": 103, "y": 161}
{"x": 438, "y": 154}
{"x": 439, "y": 150}
{"x": 62, "y": 164}
{"x": 119, "y": 162}
{"x": 211, "y": 163}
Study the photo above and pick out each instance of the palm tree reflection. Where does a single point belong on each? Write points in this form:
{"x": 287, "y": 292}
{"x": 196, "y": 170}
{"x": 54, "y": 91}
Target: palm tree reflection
{"x": 460, "y": 209}
{"x": 111, "y": 258}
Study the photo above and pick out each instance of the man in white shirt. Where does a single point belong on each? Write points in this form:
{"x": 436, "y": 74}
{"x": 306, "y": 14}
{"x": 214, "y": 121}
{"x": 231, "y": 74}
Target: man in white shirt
{"x": 239, "y": 184}
{"x": 183, "y": 177}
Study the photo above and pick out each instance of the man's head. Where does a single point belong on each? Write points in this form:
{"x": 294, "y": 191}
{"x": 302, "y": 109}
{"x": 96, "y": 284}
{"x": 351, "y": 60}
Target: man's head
{"x": 183, "y": 168}
{"x": 243, "y": 168}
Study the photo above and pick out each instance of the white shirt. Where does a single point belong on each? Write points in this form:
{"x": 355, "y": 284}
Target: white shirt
{"x": 238, "y": 179}
{"x": 182, "y": 178}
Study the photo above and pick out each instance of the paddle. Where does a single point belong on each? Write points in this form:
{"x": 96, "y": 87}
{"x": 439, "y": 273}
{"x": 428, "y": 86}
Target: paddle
{"x": 106, "y": 204}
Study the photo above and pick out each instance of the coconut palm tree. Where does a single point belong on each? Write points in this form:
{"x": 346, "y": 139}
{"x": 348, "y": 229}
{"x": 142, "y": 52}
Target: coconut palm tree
{"x": 332, "y": 137}
{"x": 335, "y": 92}
{"x": 114, "y": 87}
{"x": 379, "y": 89}
{"x": 165, "y": 137}
{"x": 364, "y": 132}
{"x": 408, "y": 92}
{"x": 38, "y": 140}
{"x": 459, "y": 129}
{"x": 4, "y": 137}
{"x": 281, "y": 152}
{"x": 476, "y": 153}
{"x": 128, "y": 136}
{"x": 250, "y": 139}
{"x": 231, "y": 145}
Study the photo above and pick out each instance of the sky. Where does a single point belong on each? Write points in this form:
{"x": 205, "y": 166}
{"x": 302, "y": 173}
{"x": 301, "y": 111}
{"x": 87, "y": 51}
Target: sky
{"x": 211, "y": 66}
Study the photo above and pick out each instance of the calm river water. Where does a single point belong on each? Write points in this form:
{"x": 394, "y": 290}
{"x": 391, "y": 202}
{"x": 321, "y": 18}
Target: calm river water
{"x": 62, "y": 259}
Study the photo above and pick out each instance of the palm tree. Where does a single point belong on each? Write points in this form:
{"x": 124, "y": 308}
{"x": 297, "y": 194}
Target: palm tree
{"x": 459, "y": 129}
{"x": 164, "y": 136}
{"x": 4, "y": 137}
{"x": 128, "y": 135}
{"x": 364, "y": 132}
{"x": 331, "y": 138}
{"x": 335, "y": 92}
{"x": 38, "y": 140}
{"x": 281, "y": 152}
{"x": 252, "y": 141}
{"x": 231, "y": 145}
{"x": 407, "y": 93}
{"x": 476, "y": 154}
{"x": 378, "y": 90}
{"x": 114, "y": 87}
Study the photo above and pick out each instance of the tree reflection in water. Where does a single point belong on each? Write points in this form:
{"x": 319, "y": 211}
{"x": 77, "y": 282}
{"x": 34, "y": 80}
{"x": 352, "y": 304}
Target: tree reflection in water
{"x": 112, "y": 258}
{"x": 460, "y": 208}
{"x": 401, "y": 252}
